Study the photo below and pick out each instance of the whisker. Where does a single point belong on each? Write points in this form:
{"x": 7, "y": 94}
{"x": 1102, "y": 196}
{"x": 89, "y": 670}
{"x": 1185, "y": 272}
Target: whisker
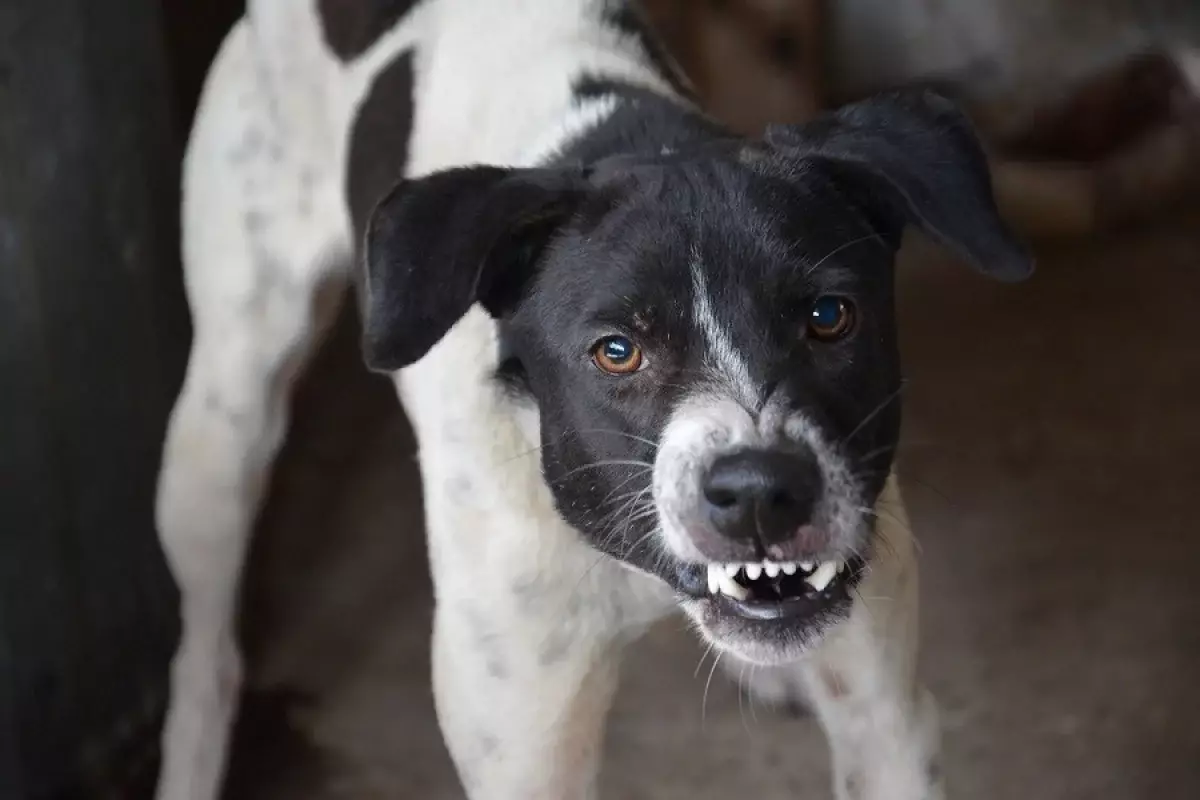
{"x": 866, "y": 606}
{"x": 944, "y": 497}
{"x": 572, "y": 432}
{"x": 611, "y": 432}
{"x": 878, "y": 451}
{"x": 708, "y": 683}
{"x": 741, "y": 693}
{"x": 609, "y": 497}
{"x": 839, "y": 249}
{"x": 703, "y": 656}
{"x": 878, "y": 409}
{"x": 607, "y": 463}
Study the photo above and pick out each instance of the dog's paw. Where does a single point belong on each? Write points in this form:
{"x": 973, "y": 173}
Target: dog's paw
{"x": 778, "y": 688}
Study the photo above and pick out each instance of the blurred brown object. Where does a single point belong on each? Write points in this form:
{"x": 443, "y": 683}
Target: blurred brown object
{"x": 1119, "y": 148}
{"x": 1114, "y": 147}
{"x": 753, "y": 62}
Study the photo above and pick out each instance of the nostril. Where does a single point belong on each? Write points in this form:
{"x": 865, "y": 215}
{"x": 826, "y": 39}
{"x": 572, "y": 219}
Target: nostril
{"x": 721, "y": 497}
{"x": 779, "y": 499}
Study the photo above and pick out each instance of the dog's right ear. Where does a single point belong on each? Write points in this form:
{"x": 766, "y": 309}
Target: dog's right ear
{"x": 435, "y": 246}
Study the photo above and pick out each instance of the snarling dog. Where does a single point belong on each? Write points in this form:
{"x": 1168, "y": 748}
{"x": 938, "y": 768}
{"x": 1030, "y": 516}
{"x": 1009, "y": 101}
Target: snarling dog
{"x": 650, "y": 365}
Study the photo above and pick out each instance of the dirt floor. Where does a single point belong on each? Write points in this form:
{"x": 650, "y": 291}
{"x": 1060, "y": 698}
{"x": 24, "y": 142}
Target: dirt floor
{"x": 1052, "y": 455}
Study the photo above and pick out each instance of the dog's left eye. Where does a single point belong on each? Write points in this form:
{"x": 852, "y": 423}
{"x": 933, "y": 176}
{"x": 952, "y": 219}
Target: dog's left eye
{"x": 831, "y": 318}
{"x": 617, "y": 355}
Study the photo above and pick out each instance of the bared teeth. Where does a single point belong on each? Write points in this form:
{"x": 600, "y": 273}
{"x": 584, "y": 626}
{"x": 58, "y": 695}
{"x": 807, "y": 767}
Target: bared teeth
{"x": 823, "y": 575}
{"x": 723, "y": 578}
{"x": 720, "y": 581}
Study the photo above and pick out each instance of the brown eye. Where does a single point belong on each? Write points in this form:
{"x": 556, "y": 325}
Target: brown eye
{"x": 617, "y": 355}
{"x": 831, "y": 318}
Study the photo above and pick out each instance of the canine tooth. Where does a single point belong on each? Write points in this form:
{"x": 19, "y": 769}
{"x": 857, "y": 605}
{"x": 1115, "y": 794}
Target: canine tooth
{"x": 789, "y": 568}
{"x": 824, "y": 574}
{"x": 714, "y": 578}
{"x": 732, "y": 588}
{"x": 753, "y": 571}
{"x": 771, "y": 568}
{"x": 807, "y": 566}
{"x": 841, "y": 567}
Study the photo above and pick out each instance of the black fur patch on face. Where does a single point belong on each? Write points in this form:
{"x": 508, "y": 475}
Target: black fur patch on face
{"x": 379, "y": 140}
{"x": 351, "y": 27}
{"x": 691, "y": 244}
{"x": 767, "y": 247}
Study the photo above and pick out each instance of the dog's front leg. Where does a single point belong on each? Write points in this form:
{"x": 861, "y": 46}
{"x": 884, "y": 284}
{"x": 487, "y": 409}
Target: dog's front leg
{"x": 882, "y": 726}
{"x": 520, "y": 722}
{"x": 525, "y": 657}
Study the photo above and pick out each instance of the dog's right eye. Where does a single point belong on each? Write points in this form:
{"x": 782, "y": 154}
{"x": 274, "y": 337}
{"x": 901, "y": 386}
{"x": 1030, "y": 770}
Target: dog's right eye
{"x": 831, "y": 318}
{"x": 617, "y": 355}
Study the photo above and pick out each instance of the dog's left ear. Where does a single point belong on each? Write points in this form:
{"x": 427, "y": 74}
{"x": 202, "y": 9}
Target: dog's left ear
{"x": 918, "y": 159}
{"x": 435, "y": 246}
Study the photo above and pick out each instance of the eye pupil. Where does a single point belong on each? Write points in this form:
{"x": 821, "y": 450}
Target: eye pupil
{"x": 617, "y": 355}
{"x": 831, "y": 318}
{"x": 827, "y": 312}
{"x": 618, "y": 350}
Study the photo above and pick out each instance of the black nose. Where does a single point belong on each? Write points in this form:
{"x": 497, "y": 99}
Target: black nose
{"x": 762, "y": 495}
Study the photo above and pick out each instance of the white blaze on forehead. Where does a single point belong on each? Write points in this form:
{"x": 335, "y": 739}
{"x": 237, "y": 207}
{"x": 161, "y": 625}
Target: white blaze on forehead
{"x": 724, "y": 357}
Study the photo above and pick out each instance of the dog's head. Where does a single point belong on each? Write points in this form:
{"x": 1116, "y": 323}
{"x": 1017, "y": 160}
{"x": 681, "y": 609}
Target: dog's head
{"x": 709, "y": 338}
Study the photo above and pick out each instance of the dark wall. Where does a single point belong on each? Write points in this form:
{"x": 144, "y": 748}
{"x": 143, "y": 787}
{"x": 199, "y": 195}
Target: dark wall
{"x": 193, "y": 32}
{"x": 93, "y": 338}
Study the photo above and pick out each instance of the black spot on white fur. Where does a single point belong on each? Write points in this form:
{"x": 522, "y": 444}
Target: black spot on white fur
{"x": 352, "y": 26}
{"x": 379, "y": 139}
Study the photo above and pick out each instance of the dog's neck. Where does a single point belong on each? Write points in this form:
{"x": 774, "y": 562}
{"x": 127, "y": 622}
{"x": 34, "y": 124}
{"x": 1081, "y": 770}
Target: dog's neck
{"x": 642, "y": 104}
{"x": 617, "y": 119}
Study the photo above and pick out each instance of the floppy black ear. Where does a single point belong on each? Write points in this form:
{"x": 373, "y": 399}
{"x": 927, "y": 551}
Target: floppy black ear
{"x": 436, "y": 245}
{"x": 923, "y": 162}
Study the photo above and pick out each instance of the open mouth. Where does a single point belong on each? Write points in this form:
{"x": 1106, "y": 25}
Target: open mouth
{"x": 774, "y": 590}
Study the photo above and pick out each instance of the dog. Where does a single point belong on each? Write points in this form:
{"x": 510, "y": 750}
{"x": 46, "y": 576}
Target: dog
{"x": 650, "y": 365}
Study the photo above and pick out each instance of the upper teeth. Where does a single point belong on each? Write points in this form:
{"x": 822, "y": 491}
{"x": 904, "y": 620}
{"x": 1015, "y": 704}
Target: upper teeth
{"x": 822, "y": 575}
{"x": 721, "y": 576}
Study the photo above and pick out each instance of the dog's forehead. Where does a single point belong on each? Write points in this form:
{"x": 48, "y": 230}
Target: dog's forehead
{"x": 715, "y": 222}
{"x": 725, "y": 206}
{"x": 703, "y": 245}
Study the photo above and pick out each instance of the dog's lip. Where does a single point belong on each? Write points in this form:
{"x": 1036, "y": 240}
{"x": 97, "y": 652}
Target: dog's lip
{"x": 792, "y": 608}
{"x": 692, "y": 580}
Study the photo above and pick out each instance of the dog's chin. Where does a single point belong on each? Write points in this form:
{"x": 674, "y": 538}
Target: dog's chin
{"x": 773, "y": 629}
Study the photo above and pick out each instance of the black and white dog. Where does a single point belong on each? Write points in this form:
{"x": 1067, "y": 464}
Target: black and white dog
{"x": 650, "y": 366}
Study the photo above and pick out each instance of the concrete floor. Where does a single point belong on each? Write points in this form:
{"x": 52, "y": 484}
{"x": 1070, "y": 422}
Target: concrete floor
{"x": 1050, "y": 465}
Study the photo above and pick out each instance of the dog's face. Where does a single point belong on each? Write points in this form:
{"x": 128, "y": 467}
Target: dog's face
{"x": 709, "y": 339}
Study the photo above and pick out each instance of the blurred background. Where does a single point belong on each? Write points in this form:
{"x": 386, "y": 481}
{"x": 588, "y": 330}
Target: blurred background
{"x": 1050, "y": 448}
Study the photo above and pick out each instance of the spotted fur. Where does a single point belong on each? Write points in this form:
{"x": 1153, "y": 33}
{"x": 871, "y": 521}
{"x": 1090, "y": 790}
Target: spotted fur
{"x": 305, "y": 122}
